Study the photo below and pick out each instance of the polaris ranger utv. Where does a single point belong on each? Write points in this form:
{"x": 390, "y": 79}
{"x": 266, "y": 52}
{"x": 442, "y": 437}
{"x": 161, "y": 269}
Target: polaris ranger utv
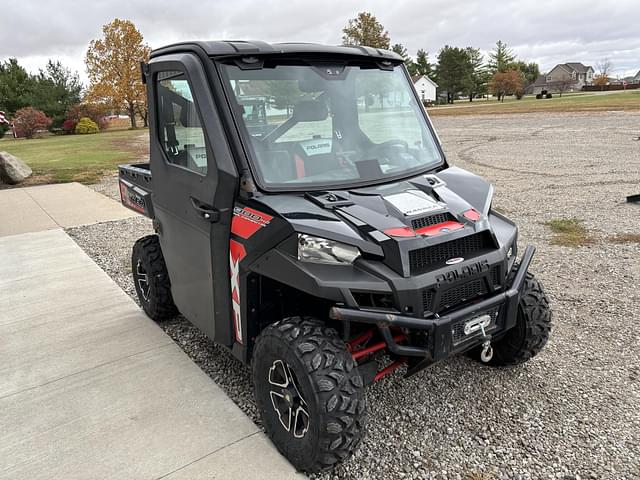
{"x": 329, "y": 247}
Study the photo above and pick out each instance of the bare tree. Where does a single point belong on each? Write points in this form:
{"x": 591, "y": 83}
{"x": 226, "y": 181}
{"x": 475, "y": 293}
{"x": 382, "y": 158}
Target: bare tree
{"x": 562, "y": 86}
{"x": 604, "y": 68}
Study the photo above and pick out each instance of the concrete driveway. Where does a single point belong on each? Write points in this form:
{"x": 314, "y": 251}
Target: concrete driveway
{"x": 89, "y": 386}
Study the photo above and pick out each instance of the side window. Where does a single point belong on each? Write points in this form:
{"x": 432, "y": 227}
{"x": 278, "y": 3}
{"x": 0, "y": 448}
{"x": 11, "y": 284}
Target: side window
{"x": 179, "y": 128}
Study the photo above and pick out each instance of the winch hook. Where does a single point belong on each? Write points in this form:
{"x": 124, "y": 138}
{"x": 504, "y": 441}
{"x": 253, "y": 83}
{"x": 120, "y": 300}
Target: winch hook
{"x": 487, "y": 350}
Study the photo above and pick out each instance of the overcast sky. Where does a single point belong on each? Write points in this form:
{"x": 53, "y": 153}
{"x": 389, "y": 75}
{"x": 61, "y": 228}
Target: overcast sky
{"x": 548, "y": 32}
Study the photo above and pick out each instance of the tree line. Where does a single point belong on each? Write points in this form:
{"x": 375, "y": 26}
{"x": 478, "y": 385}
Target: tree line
{"x": 457, "y": 70}
{"x": 54, "y": 97}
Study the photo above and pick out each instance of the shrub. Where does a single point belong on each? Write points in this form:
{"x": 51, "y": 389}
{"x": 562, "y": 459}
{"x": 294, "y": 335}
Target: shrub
{"x": 90, "y": 110}
{"x": 86, "y": 125}
{"x": 69, "y": 126}
{"x": 28, "y": 121}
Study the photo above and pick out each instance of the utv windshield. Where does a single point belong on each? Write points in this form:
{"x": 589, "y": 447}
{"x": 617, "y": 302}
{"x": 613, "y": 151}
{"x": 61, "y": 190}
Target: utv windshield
{"x": 329, "y": 126}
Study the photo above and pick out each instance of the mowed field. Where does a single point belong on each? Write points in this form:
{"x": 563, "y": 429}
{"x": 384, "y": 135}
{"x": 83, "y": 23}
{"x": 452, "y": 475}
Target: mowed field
{"x": 570, "y": 102}
{"x": 570, "y": 413}
{"x": 77, "y": 158}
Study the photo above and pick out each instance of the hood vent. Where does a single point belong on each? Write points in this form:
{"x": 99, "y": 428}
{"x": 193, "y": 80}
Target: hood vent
{"x": 422, "y": 222}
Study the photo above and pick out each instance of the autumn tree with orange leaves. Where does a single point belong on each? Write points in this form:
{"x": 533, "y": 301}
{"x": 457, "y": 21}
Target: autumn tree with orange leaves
{"x": 509, "y": 82}
{"x": 113, "y": 66}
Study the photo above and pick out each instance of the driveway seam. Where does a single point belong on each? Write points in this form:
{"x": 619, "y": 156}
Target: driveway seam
{"x": 207, "y": 455}
{"x": 42, "y": 208}
{"x": 49, "y": 382}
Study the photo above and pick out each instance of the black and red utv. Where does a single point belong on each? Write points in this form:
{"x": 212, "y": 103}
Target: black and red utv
{"x": 306, "y": 218}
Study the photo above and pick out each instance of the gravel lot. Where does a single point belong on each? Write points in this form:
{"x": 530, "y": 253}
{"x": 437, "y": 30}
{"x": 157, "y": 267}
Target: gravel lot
{"x": 571, "y": 413}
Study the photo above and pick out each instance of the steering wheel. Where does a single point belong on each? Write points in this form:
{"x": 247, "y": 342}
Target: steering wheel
{"x": 347, "y": 158}
{"x": 389, "y": 144}
{"x": 386, "y": 148}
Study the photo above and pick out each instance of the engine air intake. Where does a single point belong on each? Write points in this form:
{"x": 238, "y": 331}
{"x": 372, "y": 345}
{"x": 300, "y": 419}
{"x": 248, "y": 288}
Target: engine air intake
{"x": 427, "y": 258}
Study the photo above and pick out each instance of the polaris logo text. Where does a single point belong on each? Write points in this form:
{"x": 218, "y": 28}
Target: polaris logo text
{"x": 464, "y": 272}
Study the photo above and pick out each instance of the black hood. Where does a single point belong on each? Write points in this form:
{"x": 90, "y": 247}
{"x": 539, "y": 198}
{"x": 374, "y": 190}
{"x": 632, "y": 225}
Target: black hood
{"x": 390, "y": 219}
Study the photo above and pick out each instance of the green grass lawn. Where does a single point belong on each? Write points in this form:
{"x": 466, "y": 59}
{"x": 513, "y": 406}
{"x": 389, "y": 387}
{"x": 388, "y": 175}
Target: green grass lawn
{"x": 569, "y": 102}
{"x": 77, "y": 158}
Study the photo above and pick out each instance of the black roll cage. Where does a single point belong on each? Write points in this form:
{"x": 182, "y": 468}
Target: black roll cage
{"x": 237, "y": 134}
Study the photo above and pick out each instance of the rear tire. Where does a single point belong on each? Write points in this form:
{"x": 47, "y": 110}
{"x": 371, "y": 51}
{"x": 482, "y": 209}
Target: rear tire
{"x": 302, "y": 366}
{"x": 531, "y": 331}
{"x": 151, "y": 279}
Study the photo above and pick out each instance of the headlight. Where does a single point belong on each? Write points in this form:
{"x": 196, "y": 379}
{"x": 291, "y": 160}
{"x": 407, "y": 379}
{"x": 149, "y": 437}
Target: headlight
{"x": 321, "y": 250}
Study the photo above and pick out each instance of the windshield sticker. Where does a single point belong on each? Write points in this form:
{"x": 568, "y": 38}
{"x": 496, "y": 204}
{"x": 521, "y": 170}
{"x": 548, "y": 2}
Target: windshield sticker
{"x": 317, "y": 146}
{"x": 409, "y": 203}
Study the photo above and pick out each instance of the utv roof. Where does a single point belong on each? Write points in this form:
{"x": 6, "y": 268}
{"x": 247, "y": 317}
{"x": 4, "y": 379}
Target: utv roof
{"x": 226, "y": 48}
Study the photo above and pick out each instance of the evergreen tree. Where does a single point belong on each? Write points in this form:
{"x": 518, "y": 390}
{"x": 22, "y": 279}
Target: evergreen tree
{"x": 454, "y": 71}
{"x": 422, "y": 65}
{"x": 478, "y": 77}
{"x": 501, "y": 58}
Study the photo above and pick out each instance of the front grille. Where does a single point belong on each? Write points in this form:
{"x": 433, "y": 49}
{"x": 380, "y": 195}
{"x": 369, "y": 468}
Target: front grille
{"x": 431, "y": 220}
{"x": 496, "y": 278}
{"x": 421, "y": 259}
{"x": 462, "y": 293}
{"x": 427, "y": 300}
{"x": 457, "y": 329}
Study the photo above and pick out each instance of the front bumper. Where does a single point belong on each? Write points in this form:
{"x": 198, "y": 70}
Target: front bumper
{"x": 440, "y": 329}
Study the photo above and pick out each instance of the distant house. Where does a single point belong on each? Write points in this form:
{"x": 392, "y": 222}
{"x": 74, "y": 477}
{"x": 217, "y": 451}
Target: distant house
{"x": 569, "y": 76}
{"x": 633, "y": 78}
{"x": 425, "y": 87}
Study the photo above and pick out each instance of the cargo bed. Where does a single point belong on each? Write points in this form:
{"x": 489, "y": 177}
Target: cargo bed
{"x": 136, "y": 187}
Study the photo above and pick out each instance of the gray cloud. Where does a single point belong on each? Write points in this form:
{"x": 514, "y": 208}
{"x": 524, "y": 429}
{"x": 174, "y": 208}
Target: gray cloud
{"x": 545, "y": 31}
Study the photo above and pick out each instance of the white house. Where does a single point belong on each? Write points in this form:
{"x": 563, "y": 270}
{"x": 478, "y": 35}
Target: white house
{"x": 425, "y": 87}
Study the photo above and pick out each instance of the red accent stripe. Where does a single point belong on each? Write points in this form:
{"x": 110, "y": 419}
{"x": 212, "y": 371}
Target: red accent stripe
{"x": 472, "y": 215}
{"x": 236, "y": 253}
{"x": 246, "y": 225}
{"x": 433, "y": 230}
{"x": 299, "y": 166}
{"x": 400, "y": 232}
{"x": 126, "y": 200}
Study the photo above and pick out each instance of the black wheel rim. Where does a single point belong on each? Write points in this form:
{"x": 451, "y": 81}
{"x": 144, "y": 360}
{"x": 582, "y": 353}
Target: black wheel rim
{"x": 142, "y": 280}
{"x": 287, "y": 402}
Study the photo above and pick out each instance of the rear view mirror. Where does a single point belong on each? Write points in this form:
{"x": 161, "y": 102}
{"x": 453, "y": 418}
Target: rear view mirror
{"x": 311, "y": 84}
{"x": 310, "y": 111}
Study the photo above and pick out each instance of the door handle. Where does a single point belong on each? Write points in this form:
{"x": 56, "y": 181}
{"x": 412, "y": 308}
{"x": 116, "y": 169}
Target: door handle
{"x": 207, "y": 212}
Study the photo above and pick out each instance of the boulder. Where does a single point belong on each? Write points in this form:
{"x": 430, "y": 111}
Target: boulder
{"x": 12, "y": 169}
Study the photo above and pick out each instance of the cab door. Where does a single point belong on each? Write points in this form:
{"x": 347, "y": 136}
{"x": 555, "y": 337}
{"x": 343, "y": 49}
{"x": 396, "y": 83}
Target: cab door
{"x": 192, "y": 196}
